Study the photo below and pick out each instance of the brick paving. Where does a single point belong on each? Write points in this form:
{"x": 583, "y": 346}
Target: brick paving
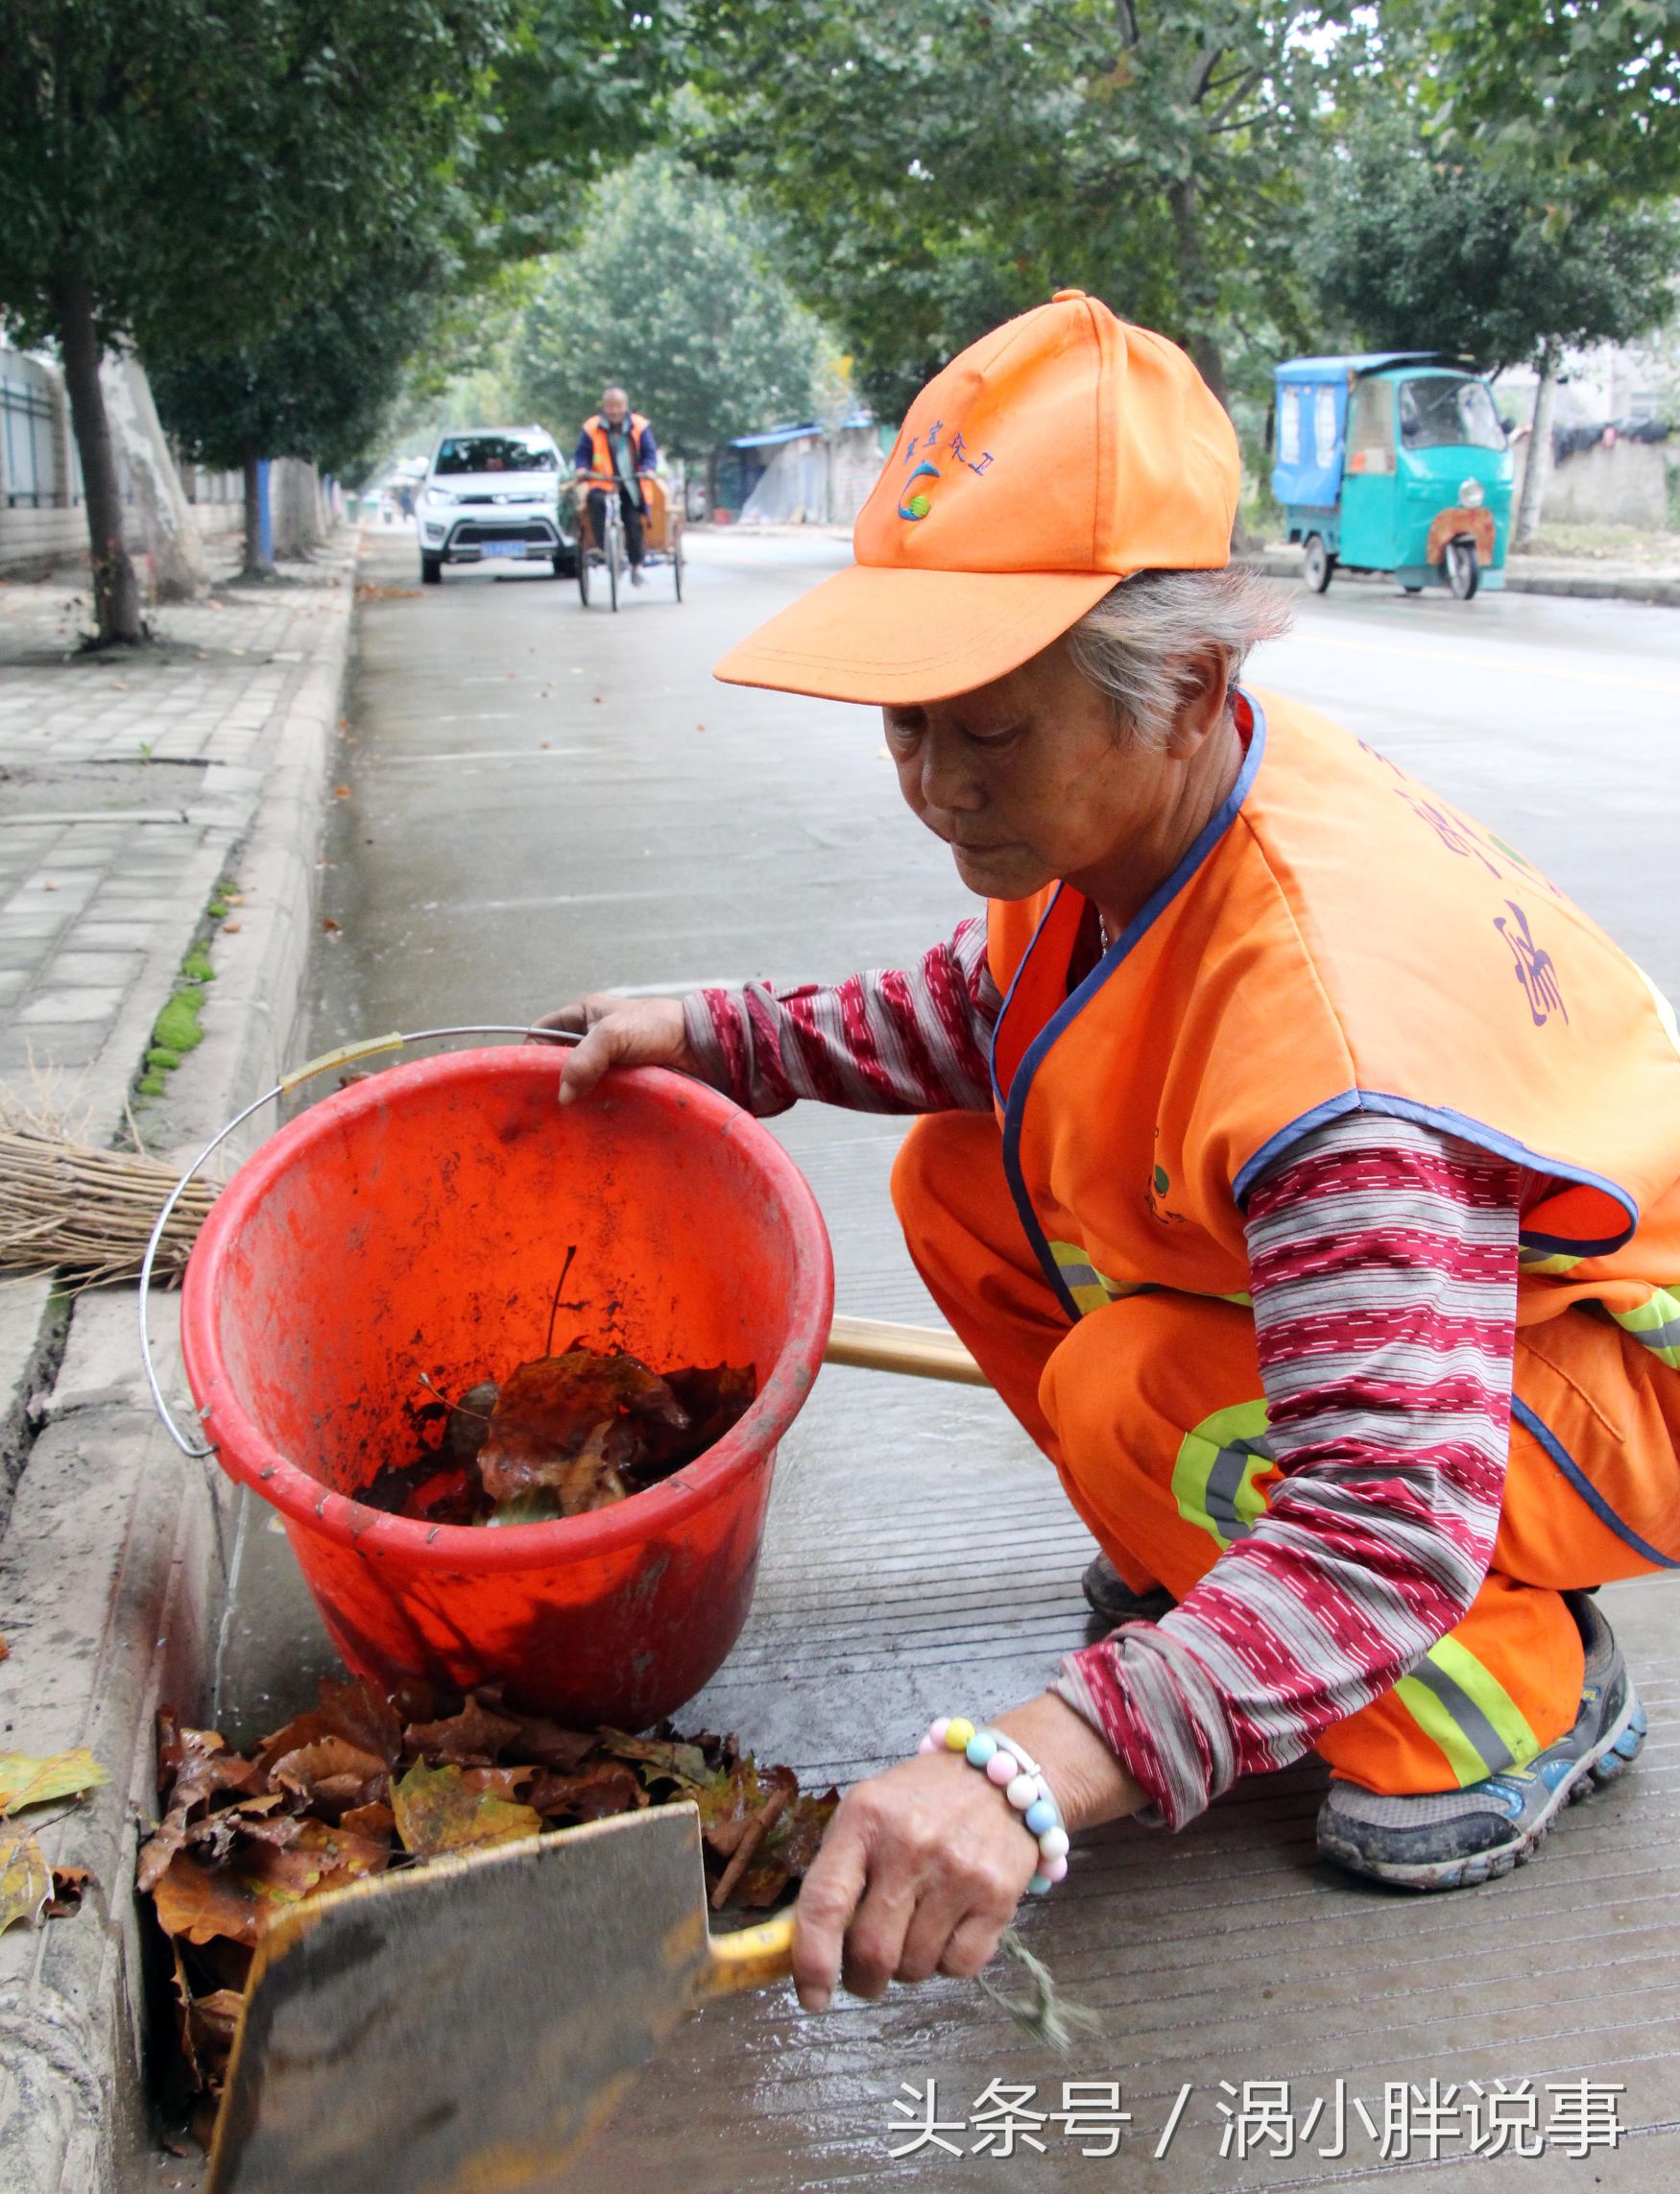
{"x": 126, "y": 783}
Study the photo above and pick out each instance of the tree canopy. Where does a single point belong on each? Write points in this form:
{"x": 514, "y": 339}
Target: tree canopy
{"x": 1411, "y": 248}
{"x": 670, "y": 291}
{"x": 944, "y": 165}
{"x": 1588, "y": 86}
{"x": 204, "y": 171}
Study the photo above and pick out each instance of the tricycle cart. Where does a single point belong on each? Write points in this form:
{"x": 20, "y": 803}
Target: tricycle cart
{"x": 1393, "y": 461}
{"x": 661, "y": 535}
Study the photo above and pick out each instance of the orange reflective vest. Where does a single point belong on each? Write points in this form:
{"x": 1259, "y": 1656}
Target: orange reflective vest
{"x": 1338, "y": 938}
{"x": 601, "y": 463}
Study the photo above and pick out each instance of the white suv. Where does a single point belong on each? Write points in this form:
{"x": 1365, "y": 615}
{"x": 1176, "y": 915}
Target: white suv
{"x": 494, "y": 491}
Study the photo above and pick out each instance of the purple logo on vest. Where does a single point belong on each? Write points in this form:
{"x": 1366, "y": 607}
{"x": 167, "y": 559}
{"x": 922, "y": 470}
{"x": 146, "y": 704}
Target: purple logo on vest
{"x": 1536, "y": 970}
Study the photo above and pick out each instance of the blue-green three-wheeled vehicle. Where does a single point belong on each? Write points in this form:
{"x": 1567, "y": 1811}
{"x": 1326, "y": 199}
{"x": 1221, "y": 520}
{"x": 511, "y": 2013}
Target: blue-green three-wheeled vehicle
{"x": 1393, "y": 461}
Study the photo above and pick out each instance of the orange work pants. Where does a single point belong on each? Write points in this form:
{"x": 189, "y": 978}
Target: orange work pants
{"x": 1152, "y": 1408}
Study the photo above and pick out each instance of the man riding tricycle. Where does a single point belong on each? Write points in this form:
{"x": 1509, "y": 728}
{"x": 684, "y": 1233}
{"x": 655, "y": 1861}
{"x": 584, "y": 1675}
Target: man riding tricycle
{"x": 1394, "y": 461}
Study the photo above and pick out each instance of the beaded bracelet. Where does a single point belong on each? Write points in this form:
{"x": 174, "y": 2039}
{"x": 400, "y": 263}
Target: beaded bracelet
{"x": 1021, "y": 1779}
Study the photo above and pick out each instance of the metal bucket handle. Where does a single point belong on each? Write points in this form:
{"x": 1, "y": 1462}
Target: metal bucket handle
{"x": 369, "y": 1048}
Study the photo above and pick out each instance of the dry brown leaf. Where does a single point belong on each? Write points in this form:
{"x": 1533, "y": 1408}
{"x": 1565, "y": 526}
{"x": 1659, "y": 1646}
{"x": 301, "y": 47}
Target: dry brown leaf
{"x": 438, "y": 1811}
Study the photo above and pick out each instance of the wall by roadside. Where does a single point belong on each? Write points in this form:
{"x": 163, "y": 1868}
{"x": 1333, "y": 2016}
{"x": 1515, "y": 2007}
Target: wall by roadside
{"x": 1619, "y": 483}
{"x": 44, "y": 517}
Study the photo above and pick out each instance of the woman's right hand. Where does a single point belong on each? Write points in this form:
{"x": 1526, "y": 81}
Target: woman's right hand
{"x": 619, "y": 1032}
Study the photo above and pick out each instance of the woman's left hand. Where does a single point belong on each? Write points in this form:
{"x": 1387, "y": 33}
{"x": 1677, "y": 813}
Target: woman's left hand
{"x": 923, "y": 1868}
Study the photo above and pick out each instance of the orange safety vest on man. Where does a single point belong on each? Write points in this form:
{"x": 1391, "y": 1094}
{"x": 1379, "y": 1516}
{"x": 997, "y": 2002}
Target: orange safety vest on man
{"x": 601, "y": 466}
{"x": 1338, "y": 938}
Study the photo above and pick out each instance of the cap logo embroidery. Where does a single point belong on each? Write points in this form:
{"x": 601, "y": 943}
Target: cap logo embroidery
{"x": 919, "y": 504}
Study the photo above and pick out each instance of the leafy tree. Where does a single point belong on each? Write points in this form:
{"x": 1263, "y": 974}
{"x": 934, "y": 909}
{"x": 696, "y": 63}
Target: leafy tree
{"x": 672, "y": 291}
{"x": 188, "y": 175}
{"x": 317, "y": 389}
{"x": 1588, "y": 85}
{"x": 944, "y": 164}
{"x": 1410, "y": 250}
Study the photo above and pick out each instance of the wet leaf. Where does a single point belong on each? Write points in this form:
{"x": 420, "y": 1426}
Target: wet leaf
{"x": 215, "y": 2021}
{"x": 330, "y": 1776}
{"x": 200, "y": 1902}
{"x": 474, "y": 1738}
{"x": 551, "y": 1746}
{"x": 500, "y": 1782}
{"x": 786, "y": 1854}
{"x": 376, "y": 1822}
{"x": 437, "y": 1810}
{"x": 661, "y": 1758}
{"x": 573, "y": 1422}
{"x": 199, "y": 1766}
{"x": 357, "y": 1712}
{"x": 26, "y": 1779}
{"x": 597, "y": 1795}
{"x": 70, "y": 1885}
{"x": 26, "y": 1882}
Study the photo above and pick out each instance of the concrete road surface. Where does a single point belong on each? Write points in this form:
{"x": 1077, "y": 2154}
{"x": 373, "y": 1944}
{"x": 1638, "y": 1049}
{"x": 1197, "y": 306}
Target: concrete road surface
{"x": 543, "y": 800}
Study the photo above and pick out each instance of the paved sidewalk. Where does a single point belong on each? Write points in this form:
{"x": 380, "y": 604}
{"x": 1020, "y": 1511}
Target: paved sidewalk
{"x": 133, "y": 787}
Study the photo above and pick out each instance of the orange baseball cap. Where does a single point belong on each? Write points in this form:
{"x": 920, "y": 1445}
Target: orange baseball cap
{"x": 1060, "y": 453}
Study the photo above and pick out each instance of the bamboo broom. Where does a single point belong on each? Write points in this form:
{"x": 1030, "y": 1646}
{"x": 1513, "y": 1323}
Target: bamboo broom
{"x": 85, "y": 1213}
{"x": 70, "y": 1208}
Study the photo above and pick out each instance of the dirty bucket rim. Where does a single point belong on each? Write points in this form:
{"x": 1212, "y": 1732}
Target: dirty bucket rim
{"x": 250, "y": 1457}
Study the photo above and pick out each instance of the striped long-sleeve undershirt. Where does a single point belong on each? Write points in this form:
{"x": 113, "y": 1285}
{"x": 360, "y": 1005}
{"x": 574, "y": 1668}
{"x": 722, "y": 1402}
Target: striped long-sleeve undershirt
{"x": 1383, "y": 1262}
{"x": 1384, "y": 1270}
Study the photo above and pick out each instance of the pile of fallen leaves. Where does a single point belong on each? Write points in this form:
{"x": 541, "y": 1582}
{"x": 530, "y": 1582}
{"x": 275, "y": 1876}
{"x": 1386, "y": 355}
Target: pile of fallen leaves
{"x": 369, "y": 1782}
{"x": 559, "y": 1436}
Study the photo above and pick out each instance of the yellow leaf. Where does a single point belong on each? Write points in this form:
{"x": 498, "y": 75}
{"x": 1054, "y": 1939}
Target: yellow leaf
{"x": 26, "y": 1780}
{"x": 438, "y": 1810}
{"x": 26, "y": 1881}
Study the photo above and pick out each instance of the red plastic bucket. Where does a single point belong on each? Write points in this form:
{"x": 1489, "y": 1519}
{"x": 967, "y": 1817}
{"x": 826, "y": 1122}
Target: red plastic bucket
{"x": 419, "y": 1221}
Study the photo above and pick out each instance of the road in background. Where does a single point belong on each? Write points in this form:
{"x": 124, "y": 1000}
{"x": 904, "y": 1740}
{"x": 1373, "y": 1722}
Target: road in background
{"x": 541, "y": 799}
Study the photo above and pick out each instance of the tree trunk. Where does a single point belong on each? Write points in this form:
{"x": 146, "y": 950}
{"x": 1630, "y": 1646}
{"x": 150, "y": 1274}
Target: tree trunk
{"x": 116, "y": 587}
{"x": 1195, "y": 287}
{"x": 1527, "y": 520}
{"x": 256, "y": 565}
{"x": 1197, "y": 291}
{"x": 166, "y": 525}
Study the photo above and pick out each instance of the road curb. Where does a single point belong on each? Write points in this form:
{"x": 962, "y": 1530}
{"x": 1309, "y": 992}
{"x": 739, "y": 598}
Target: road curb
{"x": 114, "y": 1560}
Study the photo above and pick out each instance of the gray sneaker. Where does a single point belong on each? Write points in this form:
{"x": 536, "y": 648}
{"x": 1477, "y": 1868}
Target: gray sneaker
{"x": 1113, "y": 1600}
{"x": 1451, "y": 1839}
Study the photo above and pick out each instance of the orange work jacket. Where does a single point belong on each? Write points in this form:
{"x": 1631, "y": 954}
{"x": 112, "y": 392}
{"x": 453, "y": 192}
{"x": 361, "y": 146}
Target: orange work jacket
{"x": 1338, "y": 939}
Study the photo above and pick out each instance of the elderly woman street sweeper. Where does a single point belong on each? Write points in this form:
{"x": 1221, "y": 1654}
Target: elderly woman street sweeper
{"x": 1299, "y": 1164}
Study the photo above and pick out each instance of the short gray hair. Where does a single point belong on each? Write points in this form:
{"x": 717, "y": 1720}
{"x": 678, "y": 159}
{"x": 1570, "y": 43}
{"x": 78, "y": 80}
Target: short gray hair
{"x": 1134, "y": 646}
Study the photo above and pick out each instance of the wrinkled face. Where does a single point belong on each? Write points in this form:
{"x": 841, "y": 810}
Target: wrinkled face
{"x": 615, "y": 405}
{"x": 1032, "y": 779}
